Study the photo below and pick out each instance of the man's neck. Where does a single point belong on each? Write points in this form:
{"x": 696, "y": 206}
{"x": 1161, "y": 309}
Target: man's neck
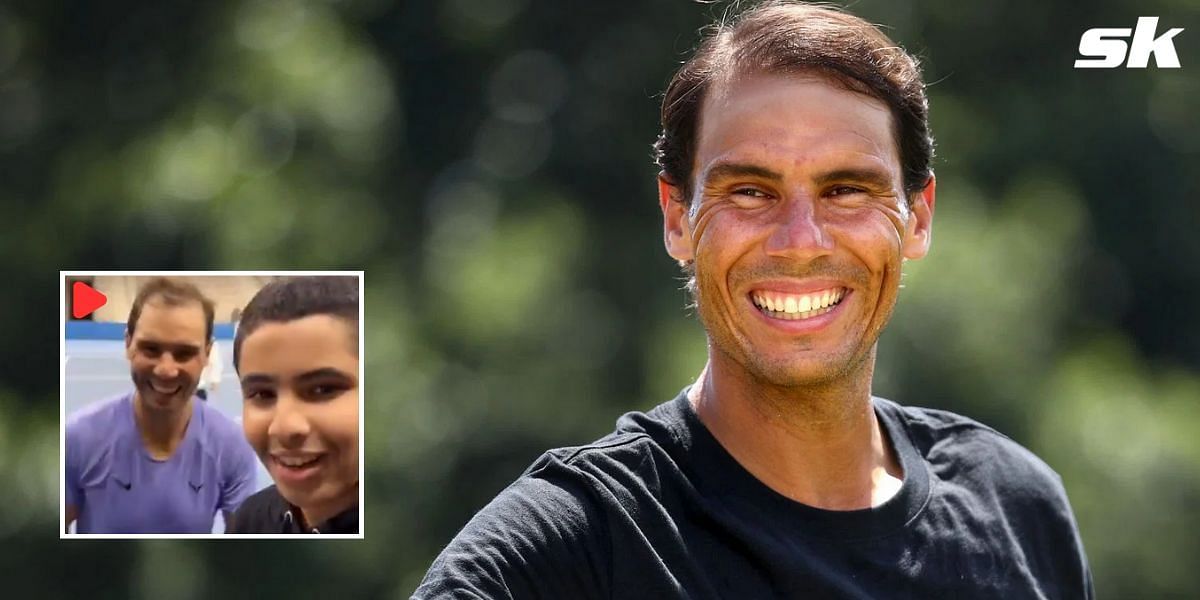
{"x": 162, "y": 431}
{"x": 820, "y": 445}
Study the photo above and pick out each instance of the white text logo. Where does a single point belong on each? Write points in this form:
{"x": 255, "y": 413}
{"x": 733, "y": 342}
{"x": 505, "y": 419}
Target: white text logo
{"x": 1109, "y": 43}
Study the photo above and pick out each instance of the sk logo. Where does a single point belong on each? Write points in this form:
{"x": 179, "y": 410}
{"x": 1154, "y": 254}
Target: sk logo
{"x": 1109, "y": 43}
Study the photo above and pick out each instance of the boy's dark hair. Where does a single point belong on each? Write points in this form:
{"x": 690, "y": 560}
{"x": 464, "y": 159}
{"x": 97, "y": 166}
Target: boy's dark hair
{"x": 171, "y": 292}
{"x": 785, "y": 37}
{"x": 294, "y": 298}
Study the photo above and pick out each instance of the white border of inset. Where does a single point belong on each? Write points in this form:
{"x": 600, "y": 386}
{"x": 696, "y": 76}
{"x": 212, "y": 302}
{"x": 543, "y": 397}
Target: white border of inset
{"x": 62, "y": 410}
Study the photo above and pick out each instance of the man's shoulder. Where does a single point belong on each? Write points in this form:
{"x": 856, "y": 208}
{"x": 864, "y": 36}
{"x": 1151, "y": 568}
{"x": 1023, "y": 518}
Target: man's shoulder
{"x": 97, "y": 421}
{"x": 218, "y": 428}
{"x": 615, "y": 448}
{"x": 224, "y": 442}
{"x": 959, "y": 447}
{"x": 566, "y": 482}
{"x": 642, "y": 442}
{"x": 545, "y": 534}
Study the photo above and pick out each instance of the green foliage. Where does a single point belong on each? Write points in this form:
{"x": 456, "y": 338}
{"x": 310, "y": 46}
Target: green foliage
{"x": 486, "y": 163}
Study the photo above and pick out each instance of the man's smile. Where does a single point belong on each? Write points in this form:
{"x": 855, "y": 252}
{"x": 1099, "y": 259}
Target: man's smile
{"x": 165, "y": 389}
{"x": 793, "y": 306}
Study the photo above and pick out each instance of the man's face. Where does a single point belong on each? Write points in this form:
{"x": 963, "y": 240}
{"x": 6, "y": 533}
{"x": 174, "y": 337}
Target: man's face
{"x": 300, "y": 385}
{"x": 797, "y": 226}
{"x": 167, "y": 351}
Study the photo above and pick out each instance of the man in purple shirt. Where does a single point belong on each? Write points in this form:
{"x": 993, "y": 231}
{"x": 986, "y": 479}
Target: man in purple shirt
{"x": 154, "y": 460}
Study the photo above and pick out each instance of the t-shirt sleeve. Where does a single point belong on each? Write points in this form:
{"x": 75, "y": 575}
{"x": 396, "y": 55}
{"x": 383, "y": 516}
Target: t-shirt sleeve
{"x": 1035, "y": 506}
{"x": 540, "y": 538}
{"x": 73, "y": 491}
{"x": 238, "y": 480}
{"x": 1064, "y": 547}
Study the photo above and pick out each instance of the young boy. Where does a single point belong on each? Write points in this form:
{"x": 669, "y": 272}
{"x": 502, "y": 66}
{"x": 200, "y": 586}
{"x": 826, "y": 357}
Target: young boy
{"x": 296, "y": 354}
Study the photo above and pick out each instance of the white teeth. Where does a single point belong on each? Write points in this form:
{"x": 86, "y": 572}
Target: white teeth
{"x": 163, "y": 389}
{"x": 291, "y": 461}
{"x": 798, "y": 306}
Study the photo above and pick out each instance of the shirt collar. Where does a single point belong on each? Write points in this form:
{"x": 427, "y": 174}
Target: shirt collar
{"x": 130, "y": 450}
{"x": 343, "y": 522}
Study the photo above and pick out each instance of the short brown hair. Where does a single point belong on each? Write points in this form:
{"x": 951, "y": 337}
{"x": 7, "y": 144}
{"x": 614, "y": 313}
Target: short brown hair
{"x": 781, "y": 36}
{"x": 173, "y": 293}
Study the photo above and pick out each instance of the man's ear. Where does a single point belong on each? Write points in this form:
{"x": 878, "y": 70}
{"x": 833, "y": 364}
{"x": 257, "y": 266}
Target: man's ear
{"x": 128, "y": 345}
{"x": 677, "y": 233}
{"x": 918, "y": 235}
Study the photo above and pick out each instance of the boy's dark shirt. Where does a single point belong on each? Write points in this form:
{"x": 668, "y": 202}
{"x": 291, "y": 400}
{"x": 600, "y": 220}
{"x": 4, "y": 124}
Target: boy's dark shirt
{"x": 268, "y": 512}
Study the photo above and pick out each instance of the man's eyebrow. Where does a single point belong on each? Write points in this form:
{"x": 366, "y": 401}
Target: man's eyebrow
{"x": 731, "y": 170}
{"x": 322, "y": 373}
{"x": 173, "y": 347}
{"x": 874, "y": 177}
{"x": 866, "y": 175}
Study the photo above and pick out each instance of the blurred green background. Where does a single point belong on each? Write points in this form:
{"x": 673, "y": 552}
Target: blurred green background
{"x": 487, "y": 162}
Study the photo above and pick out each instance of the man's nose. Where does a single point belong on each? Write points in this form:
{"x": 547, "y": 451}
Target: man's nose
{"x": 289, "y": 425}
{"x": 800, "y": 232}
{"x": 166, "y": 367}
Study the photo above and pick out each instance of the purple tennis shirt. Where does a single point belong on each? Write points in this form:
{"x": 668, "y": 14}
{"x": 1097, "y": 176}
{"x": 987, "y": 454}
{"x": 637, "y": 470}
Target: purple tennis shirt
{"x": 118, "y": 488}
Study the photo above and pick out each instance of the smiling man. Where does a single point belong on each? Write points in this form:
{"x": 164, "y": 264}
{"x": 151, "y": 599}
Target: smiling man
{"x": 155, "y": 460}
{"x": 796, "y": 180}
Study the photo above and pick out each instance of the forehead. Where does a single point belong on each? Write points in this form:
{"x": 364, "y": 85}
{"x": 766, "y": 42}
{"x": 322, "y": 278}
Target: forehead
{"x": 171, "y": 323}
{"x": 794, "y": 119}
{"x": 294, "y": 347}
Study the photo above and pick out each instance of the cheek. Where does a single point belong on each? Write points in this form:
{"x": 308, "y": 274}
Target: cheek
{"x": 196, "y": 366}
{"x": 892, "y": 222}
{"x": 723, "y": 238}
{"x": 715, "y": 222}
{"x": 255, "y": 423}
{"x": 875, "y": 235}
{"x": 341, "y": 427}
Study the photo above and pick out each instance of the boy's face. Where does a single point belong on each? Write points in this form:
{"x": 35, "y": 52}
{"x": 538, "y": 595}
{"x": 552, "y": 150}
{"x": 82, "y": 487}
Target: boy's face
{"x": 300, "y": 385}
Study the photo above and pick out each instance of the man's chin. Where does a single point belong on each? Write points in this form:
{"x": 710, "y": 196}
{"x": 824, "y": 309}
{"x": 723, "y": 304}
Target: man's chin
{"x": 157, "y": 400}
{"x": 799, "y": 371}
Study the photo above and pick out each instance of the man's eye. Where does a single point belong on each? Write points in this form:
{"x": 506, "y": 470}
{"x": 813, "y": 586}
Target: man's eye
{"x": 750, "y": 197}
{"x": 752, "y": 192}
{"x": 845, "y": 190}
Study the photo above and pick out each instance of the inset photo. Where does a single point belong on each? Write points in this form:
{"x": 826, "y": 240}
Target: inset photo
{"x": 222, "y": 404}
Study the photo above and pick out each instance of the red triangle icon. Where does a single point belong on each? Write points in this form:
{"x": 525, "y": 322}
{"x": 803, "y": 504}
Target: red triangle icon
{"x": 85, "y": 299}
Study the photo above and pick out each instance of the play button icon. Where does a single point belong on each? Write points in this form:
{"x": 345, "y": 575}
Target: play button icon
{"x": 85, "y": 300}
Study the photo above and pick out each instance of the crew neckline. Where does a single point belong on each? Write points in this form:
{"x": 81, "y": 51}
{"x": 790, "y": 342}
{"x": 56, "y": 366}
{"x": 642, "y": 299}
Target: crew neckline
{"x": 729, "y": 482}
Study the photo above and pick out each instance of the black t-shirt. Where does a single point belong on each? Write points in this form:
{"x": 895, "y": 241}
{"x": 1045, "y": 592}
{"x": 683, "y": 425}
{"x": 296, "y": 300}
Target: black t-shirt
{"x": 659, "y": 509}
{"x": 268, "y": 512}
